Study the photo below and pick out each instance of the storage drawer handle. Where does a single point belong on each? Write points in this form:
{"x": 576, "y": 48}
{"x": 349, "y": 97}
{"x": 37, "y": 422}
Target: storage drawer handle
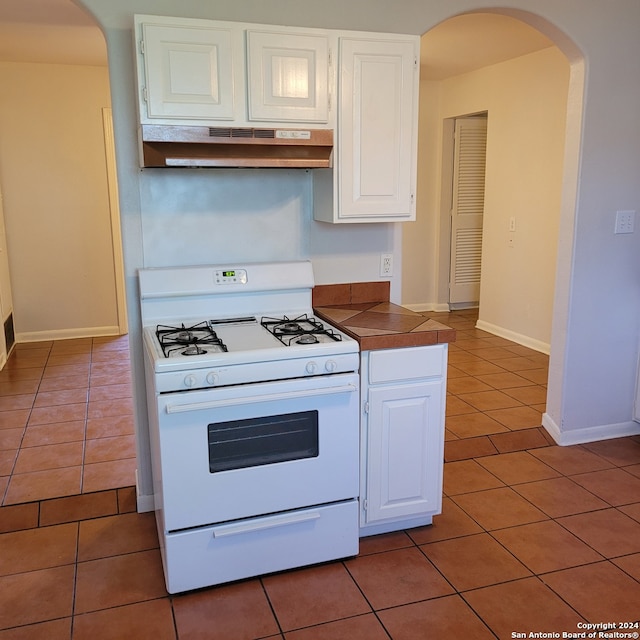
{"x": 238, "y": 528}
{"x": 270, "y": 397}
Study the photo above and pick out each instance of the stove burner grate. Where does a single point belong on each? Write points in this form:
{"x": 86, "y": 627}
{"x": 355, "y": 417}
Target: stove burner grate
{"x": 188, "y": 341}
{"x": 300, "y": 330}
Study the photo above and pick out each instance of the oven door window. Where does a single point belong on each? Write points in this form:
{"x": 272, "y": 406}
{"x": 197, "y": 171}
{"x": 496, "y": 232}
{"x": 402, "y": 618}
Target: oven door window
{"x": 238, "y": 444}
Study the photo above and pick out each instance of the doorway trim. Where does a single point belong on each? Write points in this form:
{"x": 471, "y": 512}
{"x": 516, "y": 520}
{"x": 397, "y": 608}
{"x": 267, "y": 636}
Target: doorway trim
{"x": 114, "y": 209}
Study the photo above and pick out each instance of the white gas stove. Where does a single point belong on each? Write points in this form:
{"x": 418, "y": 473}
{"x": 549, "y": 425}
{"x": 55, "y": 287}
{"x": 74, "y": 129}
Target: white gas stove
{"x": 254, "y": 422}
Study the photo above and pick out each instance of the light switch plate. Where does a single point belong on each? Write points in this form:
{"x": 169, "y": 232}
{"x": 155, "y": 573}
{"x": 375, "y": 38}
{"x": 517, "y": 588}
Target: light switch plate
{"x": 625, "y": 221}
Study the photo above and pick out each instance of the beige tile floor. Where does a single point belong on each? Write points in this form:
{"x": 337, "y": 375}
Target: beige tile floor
{"x": 532, "y": 538}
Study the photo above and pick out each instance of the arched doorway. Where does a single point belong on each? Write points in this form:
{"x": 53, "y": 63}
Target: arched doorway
{"x": 559, "y": 50}
{"x": 60, "y": 206}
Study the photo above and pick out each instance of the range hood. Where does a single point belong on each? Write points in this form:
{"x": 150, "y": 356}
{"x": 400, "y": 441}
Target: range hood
{"x": 200, "y": 146}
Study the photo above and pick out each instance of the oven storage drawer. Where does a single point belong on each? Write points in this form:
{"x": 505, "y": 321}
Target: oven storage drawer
{"x": 255, "y": 546}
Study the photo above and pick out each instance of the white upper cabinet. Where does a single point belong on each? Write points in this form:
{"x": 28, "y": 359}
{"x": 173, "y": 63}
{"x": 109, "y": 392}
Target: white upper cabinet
{"x": 374, "y": 178}
{"x": 288, "y": 76}
{"x": 210, "y": 72}
{"x": 377, "y": 108}
{"x": 228, "y": 74}
{"x": 189, "y": 72}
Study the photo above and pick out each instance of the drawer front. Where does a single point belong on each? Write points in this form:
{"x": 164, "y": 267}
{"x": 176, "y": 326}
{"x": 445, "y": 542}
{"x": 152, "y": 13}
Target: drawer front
{"x": 255, "y": 546}
{"x": 396, "y": 365}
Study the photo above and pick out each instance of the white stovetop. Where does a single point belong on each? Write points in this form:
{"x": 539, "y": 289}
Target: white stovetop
{"x": 247, "y": 343}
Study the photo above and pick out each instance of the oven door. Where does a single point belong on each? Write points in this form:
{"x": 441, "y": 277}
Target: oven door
{"x": 255, "y": 449}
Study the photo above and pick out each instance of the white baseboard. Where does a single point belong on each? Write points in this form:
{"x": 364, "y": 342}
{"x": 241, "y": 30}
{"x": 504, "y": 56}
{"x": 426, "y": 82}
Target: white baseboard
{"x": 525, "y": 341}
{"x": 427, "y": 306}
{"x": 143, "y": 503}
{"x": 67, "y": 334}
{"x": 589, "y": 434}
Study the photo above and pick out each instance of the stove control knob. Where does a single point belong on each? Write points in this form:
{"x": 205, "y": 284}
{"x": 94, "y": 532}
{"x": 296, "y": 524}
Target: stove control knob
{"x": 190, "y": 381}
{"x": 330, "y": 366}
{"x": 212, "y": 378}
{"x": 311, "y": 367}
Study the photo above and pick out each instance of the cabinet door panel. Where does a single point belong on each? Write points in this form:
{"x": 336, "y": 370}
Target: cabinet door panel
{"x": 189, "y": 72}
{"x": 403, "y": 474}
{"x": 377, "y": 113}
{"x": 288, "y": 77}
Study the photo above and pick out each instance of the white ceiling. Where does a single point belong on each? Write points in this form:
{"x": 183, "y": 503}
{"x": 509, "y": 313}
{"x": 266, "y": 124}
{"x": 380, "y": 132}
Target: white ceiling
{"x": 59, "y": 32}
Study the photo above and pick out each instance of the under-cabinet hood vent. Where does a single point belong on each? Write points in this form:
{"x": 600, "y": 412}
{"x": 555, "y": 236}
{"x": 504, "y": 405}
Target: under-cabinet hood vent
{"x": 187, "y": 146}
{"x": 239, "y": 132}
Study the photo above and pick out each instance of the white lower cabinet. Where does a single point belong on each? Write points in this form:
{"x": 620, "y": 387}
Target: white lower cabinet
{"x": 402, "y": 437}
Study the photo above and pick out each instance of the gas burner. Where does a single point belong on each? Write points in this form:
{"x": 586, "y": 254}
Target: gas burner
{"x": 290, "y": 327}
{"x": 174, "y": 339}
{"x": 302, "y": 330}
{"x": 194, "y": 350}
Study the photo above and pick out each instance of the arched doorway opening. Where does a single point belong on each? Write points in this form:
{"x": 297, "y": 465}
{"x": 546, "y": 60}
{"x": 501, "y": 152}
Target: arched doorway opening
{"x": 528, "y": 300}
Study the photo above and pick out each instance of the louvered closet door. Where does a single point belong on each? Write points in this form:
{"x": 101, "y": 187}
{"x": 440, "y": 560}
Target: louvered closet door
{"x": 467, "y": 209}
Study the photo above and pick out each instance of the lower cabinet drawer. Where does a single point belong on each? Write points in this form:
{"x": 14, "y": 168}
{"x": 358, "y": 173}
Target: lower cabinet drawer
{"x": 241, "y": 549}
{"x": 410, "y": 363}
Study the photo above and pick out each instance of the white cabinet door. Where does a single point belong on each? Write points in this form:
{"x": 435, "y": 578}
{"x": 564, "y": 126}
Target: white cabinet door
{"x": 403, "y": 459}
{"x": 189, "y": 72}
{"x": 377, "y": 119}
{"x": 288, "y": 77}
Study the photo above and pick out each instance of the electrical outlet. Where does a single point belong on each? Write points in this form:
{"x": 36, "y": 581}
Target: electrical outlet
{"x": 625, "y": 221}
{"x": 386, "y": 264}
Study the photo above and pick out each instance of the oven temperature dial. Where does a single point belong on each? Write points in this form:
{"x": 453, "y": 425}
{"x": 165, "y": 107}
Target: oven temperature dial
{"x": 190, "y": 381}
{"x": 311, "y": 367}
{"x": 330, "y": 366}
{"x": 212, "y": 378}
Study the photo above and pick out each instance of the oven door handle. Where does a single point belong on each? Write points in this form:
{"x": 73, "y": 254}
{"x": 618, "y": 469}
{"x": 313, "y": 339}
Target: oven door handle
{"x": 269, "y": 397}
{"x": 261, "y": 524}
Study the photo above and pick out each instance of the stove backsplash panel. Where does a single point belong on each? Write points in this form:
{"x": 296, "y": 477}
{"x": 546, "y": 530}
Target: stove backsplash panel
{"x": 193, "y": 217}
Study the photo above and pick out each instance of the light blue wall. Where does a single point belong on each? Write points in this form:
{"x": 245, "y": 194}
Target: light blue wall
{"x": 597, "y": 307}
